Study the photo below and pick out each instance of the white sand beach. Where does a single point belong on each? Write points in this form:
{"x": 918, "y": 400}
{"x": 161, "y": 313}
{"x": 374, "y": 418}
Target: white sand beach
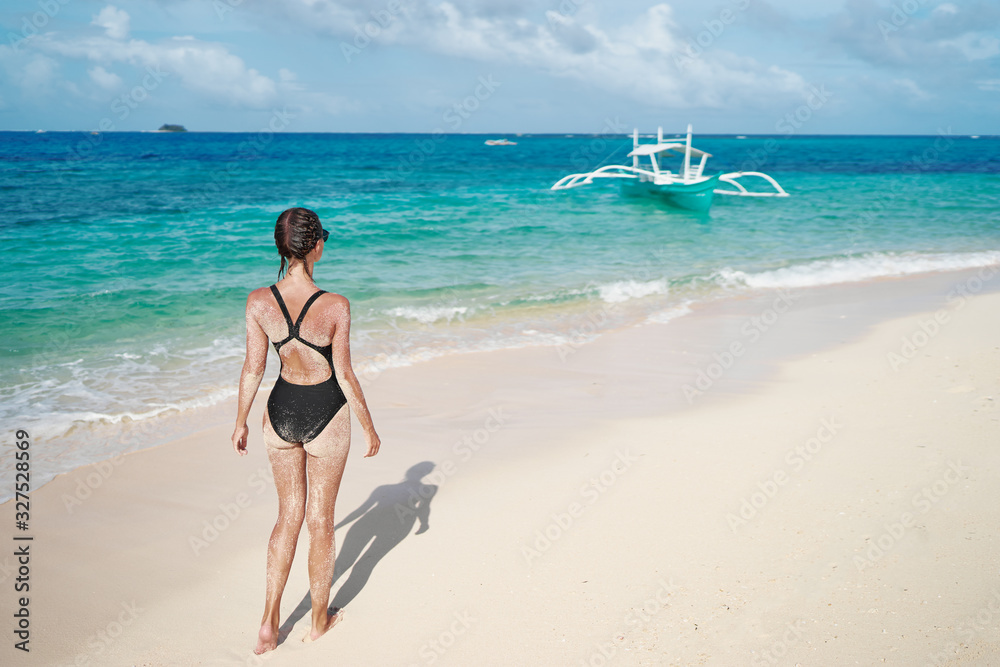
{"x": 827, "y": 493}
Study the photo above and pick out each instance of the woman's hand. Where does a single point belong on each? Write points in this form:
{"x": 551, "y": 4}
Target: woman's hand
{"x": 240, "y": 440}
{"x": 373, "y": 444}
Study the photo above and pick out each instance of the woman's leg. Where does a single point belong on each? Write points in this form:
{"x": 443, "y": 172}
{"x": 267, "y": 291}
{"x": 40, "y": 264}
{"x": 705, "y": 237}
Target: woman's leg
{"x": 325, "y": 461}
{"x": 288, "y": 464}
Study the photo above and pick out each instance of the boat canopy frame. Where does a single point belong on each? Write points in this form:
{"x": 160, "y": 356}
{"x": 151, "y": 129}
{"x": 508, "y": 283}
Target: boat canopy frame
{"x": 690, "y": 172}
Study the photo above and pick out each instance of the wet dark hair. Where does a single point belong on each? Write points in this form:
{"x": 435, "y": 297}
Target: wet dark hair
{"x": 296, "y": 233}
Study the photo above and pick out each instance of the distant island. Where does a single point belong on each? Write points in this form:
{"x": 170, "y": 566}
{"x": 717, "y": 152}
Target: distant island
{"x": 171, "y": 128}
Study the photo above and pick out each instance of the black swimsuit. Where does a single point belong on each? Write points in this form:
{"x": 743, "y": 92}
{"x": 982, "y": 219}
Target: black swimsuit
{"x": 300, "y": 412}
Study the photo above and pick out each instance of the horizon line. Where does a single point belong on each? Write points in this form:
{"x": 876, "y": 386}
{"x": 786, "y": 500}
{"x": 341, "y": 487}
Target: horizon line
{"x": 499, "y": 134}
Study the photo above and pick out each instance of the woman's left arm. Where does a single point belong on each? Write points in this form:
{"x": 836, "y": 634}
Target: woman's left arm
{"x": 345, "y": 374}
{"x": 253, "y": 372}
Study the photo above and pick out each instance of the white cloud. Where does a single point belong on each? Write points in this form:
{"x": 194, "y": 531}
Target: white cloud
{"x": 644, "y": 60}
{"x": 975, "y": 47}
{"x": 34, "y": 74}
{"x": 114, "y": 21}
{"x": 39, "y": 71}
{"x": 206, "y": 68}
{"x": 288, "y": 83}
{"x": 989, "y": 85}
{"x": 104, "y": 79}
{"x": 308, "y": 103}
{"x": 934, "y": 42}
{"x": 909, "y": 89}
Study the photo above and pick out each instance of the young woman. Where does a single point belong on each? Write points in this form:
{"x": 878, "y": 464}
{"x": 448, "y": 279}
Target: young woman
{"x": 307, "y": 424}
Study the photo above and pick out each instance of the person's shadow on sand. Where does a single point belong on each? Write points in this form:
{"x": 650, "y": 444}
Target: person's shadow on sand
{"x": 380, "y": 523}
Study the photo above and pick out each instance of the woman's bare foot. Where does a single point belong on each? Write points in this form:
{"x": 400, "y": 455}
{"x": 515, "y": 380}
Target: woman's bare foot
{"x": 267, "y": 639}
{"x": 331, "y": 620}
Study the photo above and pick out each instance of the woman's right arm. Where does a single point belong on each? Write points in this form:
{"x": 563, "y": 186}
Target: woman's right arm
{"x": 253, "y": 372}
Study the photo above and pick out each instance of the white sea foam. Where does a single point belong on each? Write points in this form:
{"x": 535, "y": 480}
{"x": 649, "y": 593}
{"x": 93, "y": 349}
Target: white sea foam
{"x": 854, "y": 269}
{"x": 664, "y": 316}
{"x": 55, "y": 424}
{"x": 556, "y": 296}
{"x": 219, "y": 349}
{"x": 428, "y": 314}
{"x": 372, "y": 365}
{"x": 613, "y": 292}
{"x": 624, "y": 290}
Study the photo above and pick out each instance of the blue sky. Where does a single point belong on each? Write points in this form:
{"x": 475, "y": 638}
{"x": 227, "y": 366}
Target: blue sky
{"x": 502, "y": 66}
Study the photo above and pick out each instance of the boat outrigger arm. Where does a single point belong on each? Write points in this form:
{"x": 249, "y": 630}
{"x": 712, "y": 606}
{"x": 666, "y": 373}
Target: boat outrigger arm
{"x": 655, "y": 176}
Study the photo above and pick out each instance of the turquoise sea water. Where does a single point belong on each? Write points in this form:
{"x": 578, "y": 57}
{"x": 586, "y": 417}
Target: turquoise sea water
{"x": 127, "y": 257}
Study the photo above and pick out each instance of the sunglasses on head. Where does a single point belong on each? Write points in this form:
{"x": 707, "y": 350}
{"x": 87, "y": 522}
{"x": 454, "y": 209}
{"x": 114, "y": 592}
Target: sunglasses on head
{"x": 326, "y": 235}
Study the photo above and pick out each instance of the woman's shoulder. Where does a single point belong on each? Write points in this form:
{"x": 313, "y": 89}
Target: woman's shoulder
{"x": 334, "y": 300}
{"x": 259, "y": 294}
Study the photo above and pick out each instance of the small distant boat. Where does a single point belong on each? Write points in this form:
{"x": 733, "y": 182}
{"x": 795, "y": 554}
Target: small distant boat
{"x": 688, "y": 189}
{"x": 973, "y": 136}
{"x": 741, "y": 136}
{"x": 500, "y": 142}
{"x": 39, "y": 131}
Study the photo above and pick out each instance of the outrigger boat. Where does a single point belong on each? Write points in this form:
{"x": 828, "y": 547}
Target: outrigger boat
{"x": 688, "y": 189}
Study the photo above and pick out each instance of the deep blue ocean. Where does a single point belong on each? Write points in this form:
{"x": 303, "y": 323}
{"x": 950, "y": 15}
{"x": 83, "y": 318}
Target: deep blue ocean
{"x": 127, "y": 257}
